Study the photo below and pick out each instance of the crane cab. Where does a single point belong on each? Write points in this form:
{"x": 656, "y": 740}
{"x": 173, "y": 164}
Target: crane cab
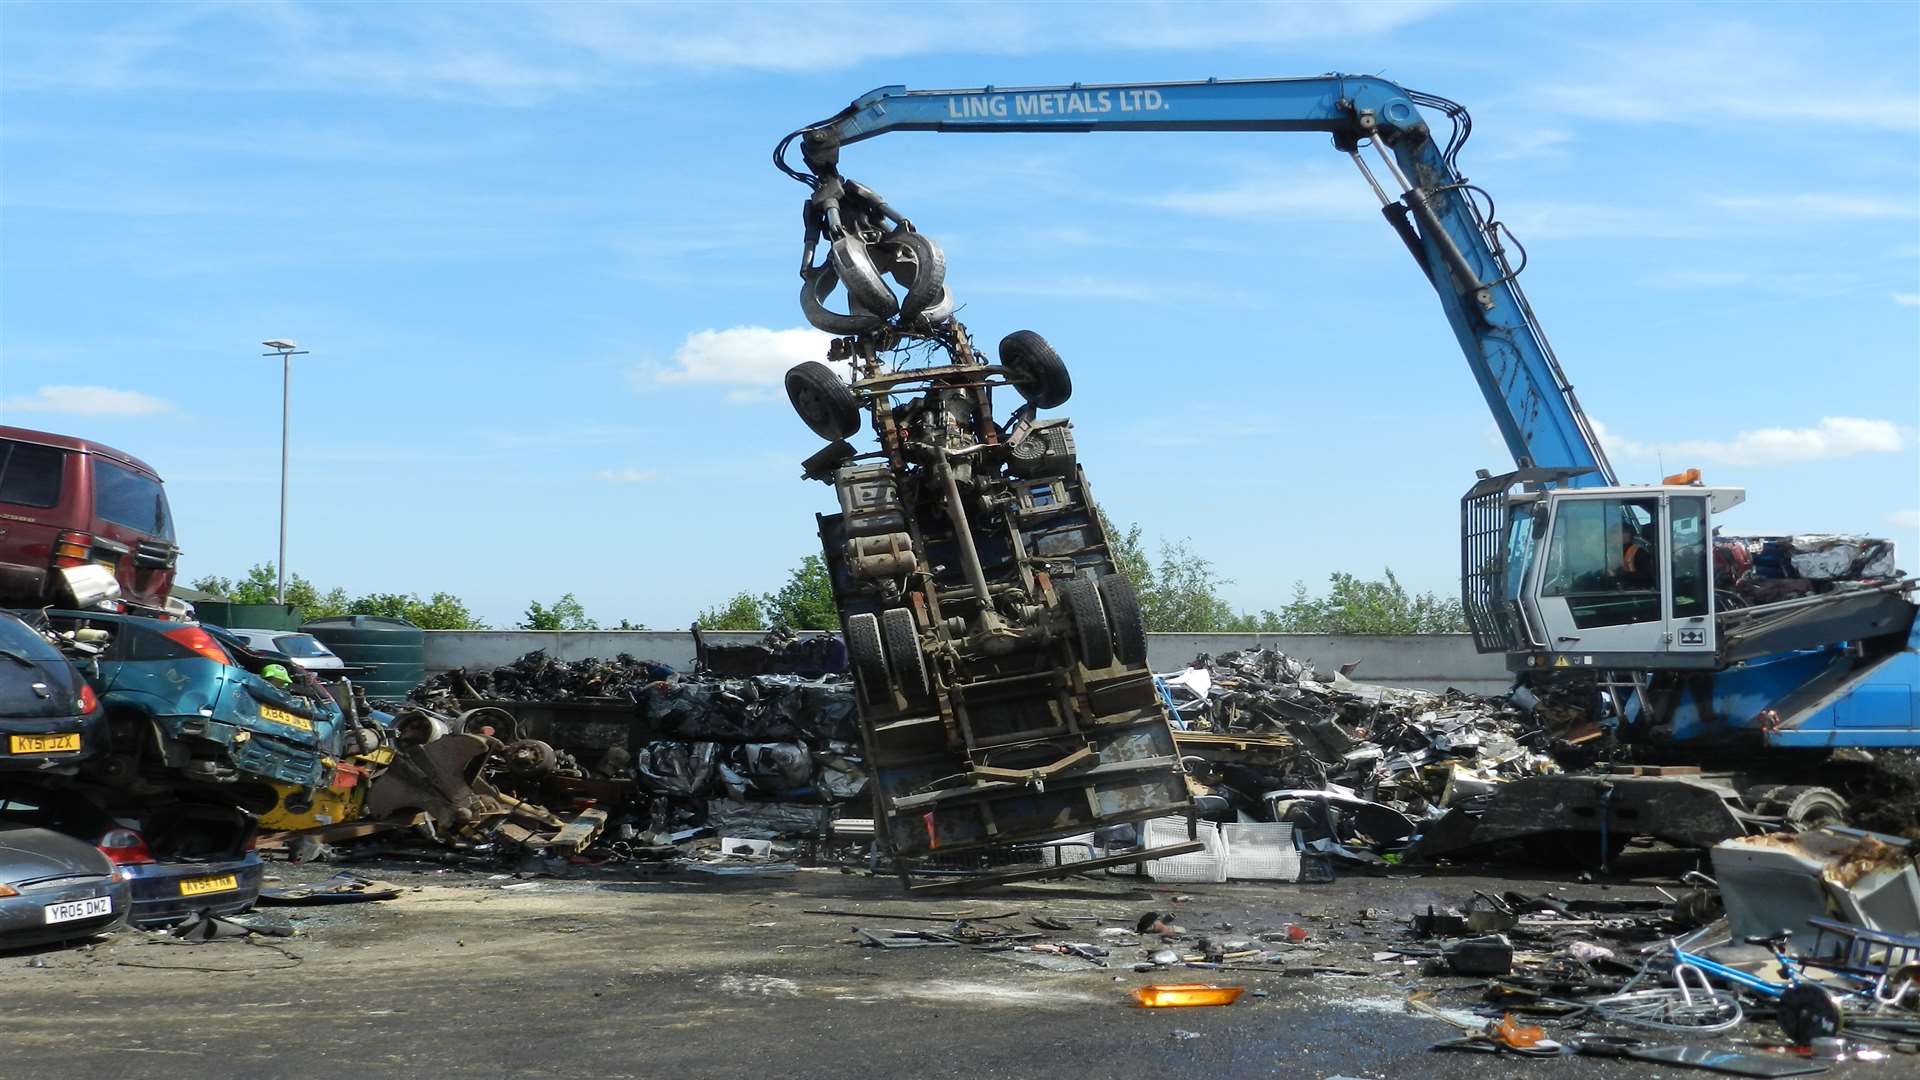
{"x": 1617, "y": 577}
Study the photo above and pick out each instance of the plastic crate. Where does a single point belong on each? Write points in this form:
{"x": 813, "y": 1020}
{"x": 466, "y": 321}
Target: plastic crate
{"x": 1261, "y": 851}
{"x": 1071, "y": 849}
{"x": 1209, "y": 865}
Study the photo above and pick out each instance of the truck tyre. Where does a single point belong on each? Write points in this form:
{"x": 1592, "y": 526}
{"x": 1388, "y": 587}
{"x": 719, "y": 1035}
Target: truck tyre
{"x": 1805, "y": 806}
{"x": 825, "y": 403}
{"x": 813, "y": 304}
{"x": 866, "y": 289}
{"x": 868, "y": 659}
{"x": 1122, "y": 606}
{"x": 903, "y": 650}
{"x": 920, "y": 265}
{"x": 1082, "y": 600}
{"x": 1035, "y": 369}
{"x": 942, "y": 310}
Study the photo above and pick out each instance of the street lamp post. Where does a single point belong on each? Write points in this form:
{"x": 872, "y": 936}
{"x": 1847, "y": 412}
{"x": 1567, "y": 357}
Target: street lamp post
{"x": 286, "y": 351}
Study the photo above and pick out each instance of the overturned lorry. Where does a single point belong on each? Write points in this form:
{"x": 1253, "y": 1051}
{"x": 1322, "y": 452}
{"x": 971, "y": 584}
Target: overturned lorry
{"x": 999, "y": 657}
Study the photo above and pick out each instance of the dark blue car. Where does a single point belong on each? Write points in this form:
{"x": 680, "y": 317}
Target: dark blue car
{"x": 50, "y": 719}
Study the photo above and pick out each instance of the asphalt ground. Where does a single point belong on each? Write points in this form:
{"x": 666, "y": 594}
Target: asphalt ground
{"x": 632, "y": 972}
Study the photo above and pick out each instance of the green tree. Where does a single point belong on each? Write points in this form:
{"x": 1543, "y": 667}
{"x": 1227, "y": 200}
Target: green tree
{"x": 740, "y": 613}
{"x": 805, "y": 602}
{"x": 259, "y": 587}
{"x": 1181, "y": 593}
{"x": 1357, "y": 606}
{"x": 441, "y": 611}
{"x": 564, "y": 614}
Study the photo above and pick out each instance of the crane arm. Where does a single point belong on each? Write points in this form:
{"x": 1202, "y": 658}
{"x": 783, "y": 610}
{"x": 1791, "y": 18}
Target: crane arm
{"x": 1435, "y": 211}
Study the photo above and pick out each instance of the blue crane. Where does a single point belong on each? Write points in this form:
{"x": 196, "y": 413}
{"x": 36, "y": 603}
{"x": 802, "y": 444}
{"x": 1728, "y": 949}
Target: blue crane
{"x": 1562, "y": 567}
{"x": 1435, "y": 212}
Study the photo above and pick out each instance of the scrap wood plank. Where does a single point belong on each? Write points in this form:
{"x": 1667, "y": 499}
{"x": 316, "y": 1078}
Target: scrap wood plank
{"x": 343, "y": 830}
{"x": 575, "y": 835}
{"x": 1206, "y": 740}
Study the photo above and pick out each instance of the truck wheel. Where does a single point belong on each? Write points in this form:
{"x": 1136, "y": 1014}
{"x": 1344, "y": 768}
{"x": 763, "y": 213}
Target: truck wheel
{"x": 866, "y": 290}
{"x": 1036, "y": 370}
{"x": 1082, "y": 600}
{"x": 825, "y": 403}
{"x": 813, "y": 304}
{"x": 920, "y": 265}
{"x": 1805, "y": 807}
{"x": 903, "y": 649}
{"x": 1122, "y": 606}
{"x": 867, "y": 659}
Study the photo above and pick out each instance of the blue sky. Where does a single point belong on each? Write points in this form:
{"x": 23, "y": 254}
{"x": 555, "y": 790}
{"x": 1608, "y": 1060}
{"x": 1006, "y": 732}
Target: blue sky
{"x": 546, "y": 272}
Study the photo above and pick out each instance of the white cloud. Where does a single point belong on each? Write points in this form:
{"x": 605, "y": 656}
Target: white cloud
{"x": 1907, "y": 299}
{"x": 1904, "y": 519}
{"x": 1715, "y": 70}
{"x": 86, "y": 401}
{"x": 1277, "y": 194}
{"x": 748, "y": 358}
{"x": 1832, "y": 437}
{"x": 1568, "y": 220}
{"x": 1814, "y": 204}
{"x": 1123, "y": 291}
{"x": 1527, "y": 144}
{"x": 627, "y": 475}
{"x": 522, "y": 54}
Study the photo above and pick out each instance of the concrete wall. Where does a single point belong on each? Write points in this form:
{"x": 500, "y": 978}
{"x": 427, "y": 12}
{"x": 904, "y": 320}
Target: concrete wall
{"x": 1428, "y": 661}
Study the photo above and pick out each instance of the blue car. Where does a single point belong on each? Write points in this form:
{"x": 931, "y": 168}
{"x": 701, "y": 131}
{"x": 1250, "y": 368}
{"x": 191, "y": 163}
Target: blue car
{"x": 168, "y": 862}
{"x": 182, "y": 704}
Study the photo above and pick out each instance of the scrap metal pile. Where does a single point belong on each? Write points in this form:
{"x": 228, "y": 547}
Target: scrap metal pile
{"x": 539, "y": 677}
{"x": 1368, "y": 764}
{"x": 648, "y": 757}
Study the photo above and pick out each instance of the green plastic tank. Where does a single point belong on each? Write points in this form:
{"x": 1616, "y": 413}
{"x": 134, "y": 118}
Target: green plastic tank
{"x": 391, "y": 653}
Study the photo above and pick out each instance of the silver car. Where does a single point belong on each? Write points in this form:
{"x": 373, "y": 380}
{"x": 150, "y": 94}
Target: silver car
{"x": 55, "y": 888}
{"x": 304, "y": 649}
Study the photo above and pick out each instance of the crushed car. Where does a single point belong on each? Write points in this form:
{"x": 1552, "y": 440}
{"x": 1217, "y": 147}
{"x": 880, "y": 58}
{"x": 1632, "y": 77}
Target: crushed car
{"x": 998, "y": 653}
{"x": 54, "y": 887}
{"x": 182, "y": 707}
{"x": 175, "y": 858}
{"x": 51, "y": 722}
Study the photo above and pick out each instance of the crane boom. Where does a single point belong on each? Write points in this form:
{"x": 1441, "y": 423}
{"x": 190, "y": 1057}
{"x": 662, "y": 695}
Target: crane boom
{"x": 1435, "y": 213}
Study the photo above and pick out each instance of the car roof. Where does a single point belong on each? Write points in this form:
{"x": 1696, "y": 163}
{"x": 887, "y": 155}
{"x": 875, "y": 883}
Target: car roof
{"x": 69, "y": 442}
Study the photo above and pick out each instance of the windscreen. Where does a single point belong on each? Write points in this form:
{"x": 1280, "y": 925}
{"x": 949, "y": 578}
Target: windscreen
{"x": 30, "y": 474}
{"x": 128, "y": 498}
{"x": 301, "y": 646}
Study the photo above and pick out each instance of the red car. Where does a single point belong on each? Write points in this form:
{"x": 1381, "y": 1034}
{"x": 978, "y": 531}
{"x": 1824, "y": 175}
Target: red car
{"x": 68, "y": 502}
